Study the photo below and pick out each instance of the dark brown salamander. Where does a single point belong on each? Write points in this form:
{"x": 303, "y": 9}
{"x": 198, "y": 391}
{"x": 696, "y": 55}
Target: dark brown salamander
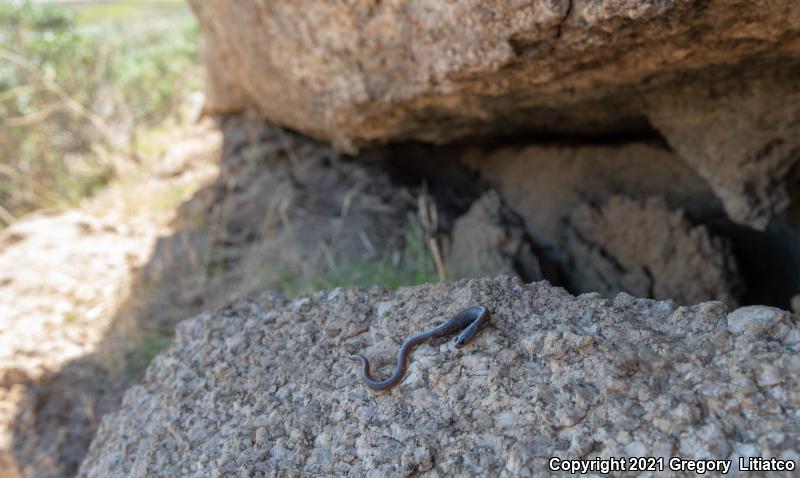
{"x": 471, "y": 320}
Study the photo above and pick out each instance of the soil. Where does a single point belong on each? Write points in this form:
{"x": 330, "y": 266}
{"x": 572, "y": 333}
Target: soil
{"x": 64, "y": 276}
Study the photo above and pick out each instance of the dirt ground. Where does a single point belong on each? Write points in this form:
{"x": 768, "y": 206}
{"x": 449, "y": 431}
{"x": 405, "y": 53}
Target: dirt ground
{"x": 64, "y": 275}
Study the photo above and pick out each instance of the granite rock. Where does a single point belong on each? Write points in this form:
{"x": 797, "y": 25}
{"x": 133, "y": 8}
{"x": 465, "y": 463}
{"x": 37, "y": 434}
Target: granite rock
{"x": 649, "y": 250}
{"x": 363, "y": 71}
{"x": 490, "y": 240}
{"x": 263, "y": 386}
{"x": 714, "y": 78}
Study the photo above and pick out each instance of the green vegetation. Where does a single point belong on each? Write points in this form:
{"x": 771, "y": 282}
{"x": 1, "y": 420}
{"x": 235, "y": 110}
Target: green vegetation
{"x": 79, "y": 87}
{"x": 97, "y": 13}
{"x": 70, "y": 316}
{"x": 412, "y": 266}
{"x": 142, "y": 352}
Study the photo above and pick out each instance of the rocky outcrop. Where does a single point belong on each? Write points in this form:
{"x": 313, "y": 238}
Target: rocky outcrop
{"x": 263, "y": 387}
{"x": 545, "y": 183}
{"x": 740, "y": 130}
{"x": 643, "y": 243}
{"x": 648, "y": 250}
{"x": 713, "y": 77}
{"x": 370, "y": 71}
{"x": 489, "y": 240}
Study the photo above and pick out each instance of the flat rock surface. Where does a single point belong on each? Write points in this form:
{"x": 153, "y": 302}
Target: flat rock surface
{"x": 263, "y": 386}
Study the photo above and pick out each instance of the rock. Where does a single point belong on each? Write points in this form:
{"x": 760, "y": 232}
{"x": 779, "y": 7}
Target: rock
{"x": 715, "y": 78}
{"x": 263, "y": 387}
{"x": 756, "y": 319}
{"x": 544, "y": 184}
{"x": 795, "y": 303}
{"x": 489, "y": 240}
{"x": 650, "y": 251}
{"x": 741, "y": 133}
{"x": 370, "y": 71}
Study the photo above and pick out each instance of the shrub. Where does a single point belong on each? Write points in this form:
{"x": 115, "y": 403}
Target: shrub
{"x": 74, "y": 94}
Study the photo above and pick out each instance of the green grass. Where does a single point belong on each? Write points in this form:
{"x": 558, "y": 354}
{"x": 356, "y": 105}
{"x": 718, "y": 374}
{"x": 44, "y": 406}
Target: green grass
{"x": 71, "y": 317}
{"x": 142, "y": 352}
{"x": 173, "y": 196}
{"x": 412, "y": 266}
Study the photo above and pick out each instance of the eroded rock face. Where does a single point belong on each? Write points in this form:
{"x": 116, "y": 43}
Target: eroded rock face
{"x": 741, "y": 132}
{"x": 364, "y": 72}
{"x": 649, "y": 250}
{"x": 263, "y": 386}
{"x": 545, "y": 183}
{"x": 489, "y": 240}
{"x": 637, "y": 244}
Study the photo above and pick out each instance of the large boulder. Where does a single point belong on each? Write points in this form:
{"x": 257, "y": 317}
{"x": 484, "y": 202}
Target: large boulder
{"x": 713, "y": 77}
{"x": 264, "y": 387}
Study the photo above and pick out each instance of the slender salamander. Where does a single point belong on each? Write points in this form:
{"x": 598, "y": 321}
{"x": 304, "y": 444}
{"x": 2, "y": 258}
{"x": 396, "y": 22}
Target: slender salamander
{"x": 471, "y": 320}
